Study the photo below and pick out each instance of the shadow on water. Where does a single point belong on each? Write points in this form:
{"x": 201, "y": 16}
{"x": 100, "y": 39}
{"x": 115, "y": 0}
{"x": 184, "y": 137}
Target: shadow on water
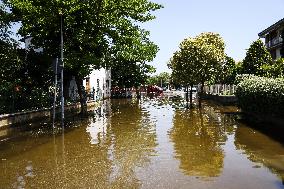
{"x": 275, "y": 132}
{"x": 261, "y": 148}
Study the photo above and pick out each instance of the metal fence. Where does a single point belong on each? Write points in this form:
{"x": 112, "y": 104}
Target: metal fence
{"x": 219, "y": 89}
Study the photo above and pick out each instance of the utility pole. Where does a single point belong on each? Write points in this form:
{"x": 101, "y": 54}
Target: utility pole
{"x": 55, "y": 87}
{"x": 62, "y": 67}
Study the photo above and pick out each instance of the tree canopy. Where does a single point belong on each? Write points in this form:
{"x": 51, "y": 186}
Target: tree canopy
{"x": 228, "y": 71}
{"x": 256, "y": 56}
{"x": 130, "y": 74}
{"x": 160, "y": 79}
{"x": 198, "y": 59}
{"x": 94, "y": 31}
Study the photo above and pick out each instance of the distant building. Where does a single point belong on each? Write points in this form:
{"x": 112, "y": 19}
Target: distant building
{"x": 98, "y": 83}
{"x": 274, "y": 36}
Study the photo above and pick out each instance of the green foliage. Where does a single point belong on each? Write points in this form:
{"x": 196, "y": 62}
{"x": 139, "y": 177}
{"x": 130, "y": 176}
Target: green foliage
{"x": 5, "y": 23}
{"x": 25, "y": 80}
{"x": 228, "y": 71}
{"x": 274, "y": 70}
{"x": 198, "y": 59}
{"x": 94, "y": 31}
{"x": 261, "y": 95}
{"x": 257, "y": 55}
{"x": 239, "y": 67}
{"x": 130, "y": 74}
{"x": 163, "y": 77}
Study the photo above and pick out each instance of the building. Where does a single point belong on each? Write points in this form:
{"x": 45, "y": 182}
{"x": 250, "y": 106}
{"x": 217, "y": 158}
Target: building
{"x": 274, "y": 36}
{"x": 98, "y": 84}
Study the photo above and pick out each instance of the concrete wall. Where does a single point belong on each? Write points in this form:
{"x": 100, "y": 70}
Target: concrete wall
{"x": 29, "y": 116}
{"x": 224, "y": 100}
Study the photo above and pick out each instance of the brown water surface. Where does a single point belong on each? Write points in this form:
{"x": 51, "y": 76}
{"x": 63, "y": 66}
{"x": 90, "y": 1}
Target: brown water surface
{"x": 152, "y": 143}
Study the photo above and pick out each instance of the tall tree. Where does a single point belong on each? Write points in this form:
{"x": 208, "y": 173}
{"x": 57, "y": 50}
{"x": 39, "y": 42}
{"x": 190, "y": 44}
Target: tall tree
{"x": 94, "y": 31}
{"x": 183, "y": 71}
{"x": 256, "y": 56}
{"x": 197, "y": 60}
{"x": 209, "y": 54}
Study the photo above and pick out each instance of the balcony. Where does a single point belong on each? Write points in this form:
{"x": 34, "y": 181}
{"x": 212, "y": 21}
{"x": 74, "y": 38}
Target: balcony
{"x": 274, "y": 42}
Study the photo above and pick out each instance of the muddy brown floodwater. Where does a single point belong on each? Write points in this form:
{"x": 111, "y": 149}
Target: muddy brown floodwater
{"x": 151, "y": 143}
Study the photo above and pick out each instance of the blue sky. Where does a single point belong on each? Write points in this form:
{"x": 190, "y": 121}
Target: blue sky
{"x": 237, "y": 21}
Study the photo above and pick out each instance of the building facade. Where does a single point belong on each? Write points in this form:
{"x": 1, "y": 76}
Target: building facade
{"x": 98, "y": 84}
{"x": 274, "y": 36}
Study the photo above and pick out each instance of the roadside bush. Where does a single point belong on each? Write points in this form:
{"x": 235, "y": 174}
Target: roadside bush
{"x": 275, "y": 70}
{"x": 261, "y": 95}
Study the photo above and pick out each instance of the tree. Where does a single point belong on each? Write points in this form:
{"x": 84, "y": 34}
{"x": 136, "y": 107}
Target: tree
{"x": 273, "y": 70}
{"x": 210, "y": 53}
{"x": 130, "y": 74}
{"x": 228, "y": 71}
{"x": 256, "y": 56}
{"x": 183, "y": 71}
{"x": 197, "y": 60}
{"x": 10, "y": 62}
{"x": 160, "y": 79}
{"x": 94, "y": 31}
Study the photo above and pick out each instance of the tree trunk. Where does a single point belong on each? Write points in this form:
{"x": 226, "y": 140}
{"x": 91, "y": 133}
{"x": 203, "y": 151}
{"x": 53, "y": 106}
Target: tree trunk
{"x": 201, "y": 93}
{"x": 66, "y": 85}
{"x": 138, "y": 96}
{"x": 186, "y": 96}
{"x": 191, "y": 105}
{"x": 202, "y": 88}
{"x": 83, "y": 101}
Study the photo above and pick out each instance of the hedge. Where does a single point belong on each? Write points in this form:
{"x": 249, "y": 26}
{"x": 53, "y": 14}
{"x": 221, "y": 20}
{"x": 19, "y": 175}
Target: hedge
{"x": 261, "y": 95}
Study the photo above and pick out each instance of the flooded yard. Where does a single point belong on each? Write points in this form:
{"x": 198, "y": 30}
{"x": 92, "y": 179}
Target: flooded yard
{"x": 151, "y": 143}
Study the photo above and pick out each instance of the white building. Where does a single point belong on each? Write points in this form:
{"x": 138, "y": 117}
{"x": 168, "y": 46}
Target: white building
{"x": 98, "y": 83}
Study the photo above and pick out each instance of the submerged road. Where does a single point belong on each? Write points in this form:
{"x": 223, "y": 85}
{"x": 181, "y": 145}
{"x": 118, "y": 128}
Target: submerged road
{"x": 151, "y": 143}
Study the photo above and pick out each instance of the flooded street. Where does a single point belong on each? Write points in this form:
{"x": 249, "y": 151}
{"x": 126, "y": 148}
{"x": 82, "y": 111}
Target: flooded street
{"x": 145, "y": 144}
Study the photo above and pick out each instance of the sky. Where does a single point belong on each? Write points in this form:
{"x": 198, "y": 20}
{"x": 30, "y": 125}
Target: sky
{"x": 237, "y": 21}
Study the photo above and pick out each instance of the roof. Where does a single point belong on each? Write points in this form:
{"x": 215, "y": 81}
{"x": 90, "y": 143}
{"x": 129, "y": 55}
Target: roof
{"x": 272, "y": 27}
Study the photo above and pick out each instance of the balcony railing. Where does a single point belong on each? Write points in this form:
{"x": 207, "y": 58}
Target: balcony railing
{"x": 274, "y": 42}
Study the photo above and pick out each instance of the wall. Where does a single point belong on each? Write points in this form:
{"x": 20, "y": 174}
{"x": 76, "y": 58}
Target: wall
{"x": 30, "y": 116}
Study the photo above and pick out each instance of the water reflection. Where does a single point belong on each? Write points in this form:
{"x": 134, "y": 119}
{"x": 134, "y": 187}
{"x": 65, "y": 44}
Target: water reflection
{"x": 133, "y": 143}
{"x": 260, "y": 148}
{"x": 150, "y": 143}
{"x": 97, "y": 129}
{"x": 198, "y": 136}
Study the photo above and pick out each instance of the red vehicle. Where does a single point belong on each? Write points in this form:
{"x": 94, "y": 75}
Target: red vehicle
{"x": 154, "y": 90}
